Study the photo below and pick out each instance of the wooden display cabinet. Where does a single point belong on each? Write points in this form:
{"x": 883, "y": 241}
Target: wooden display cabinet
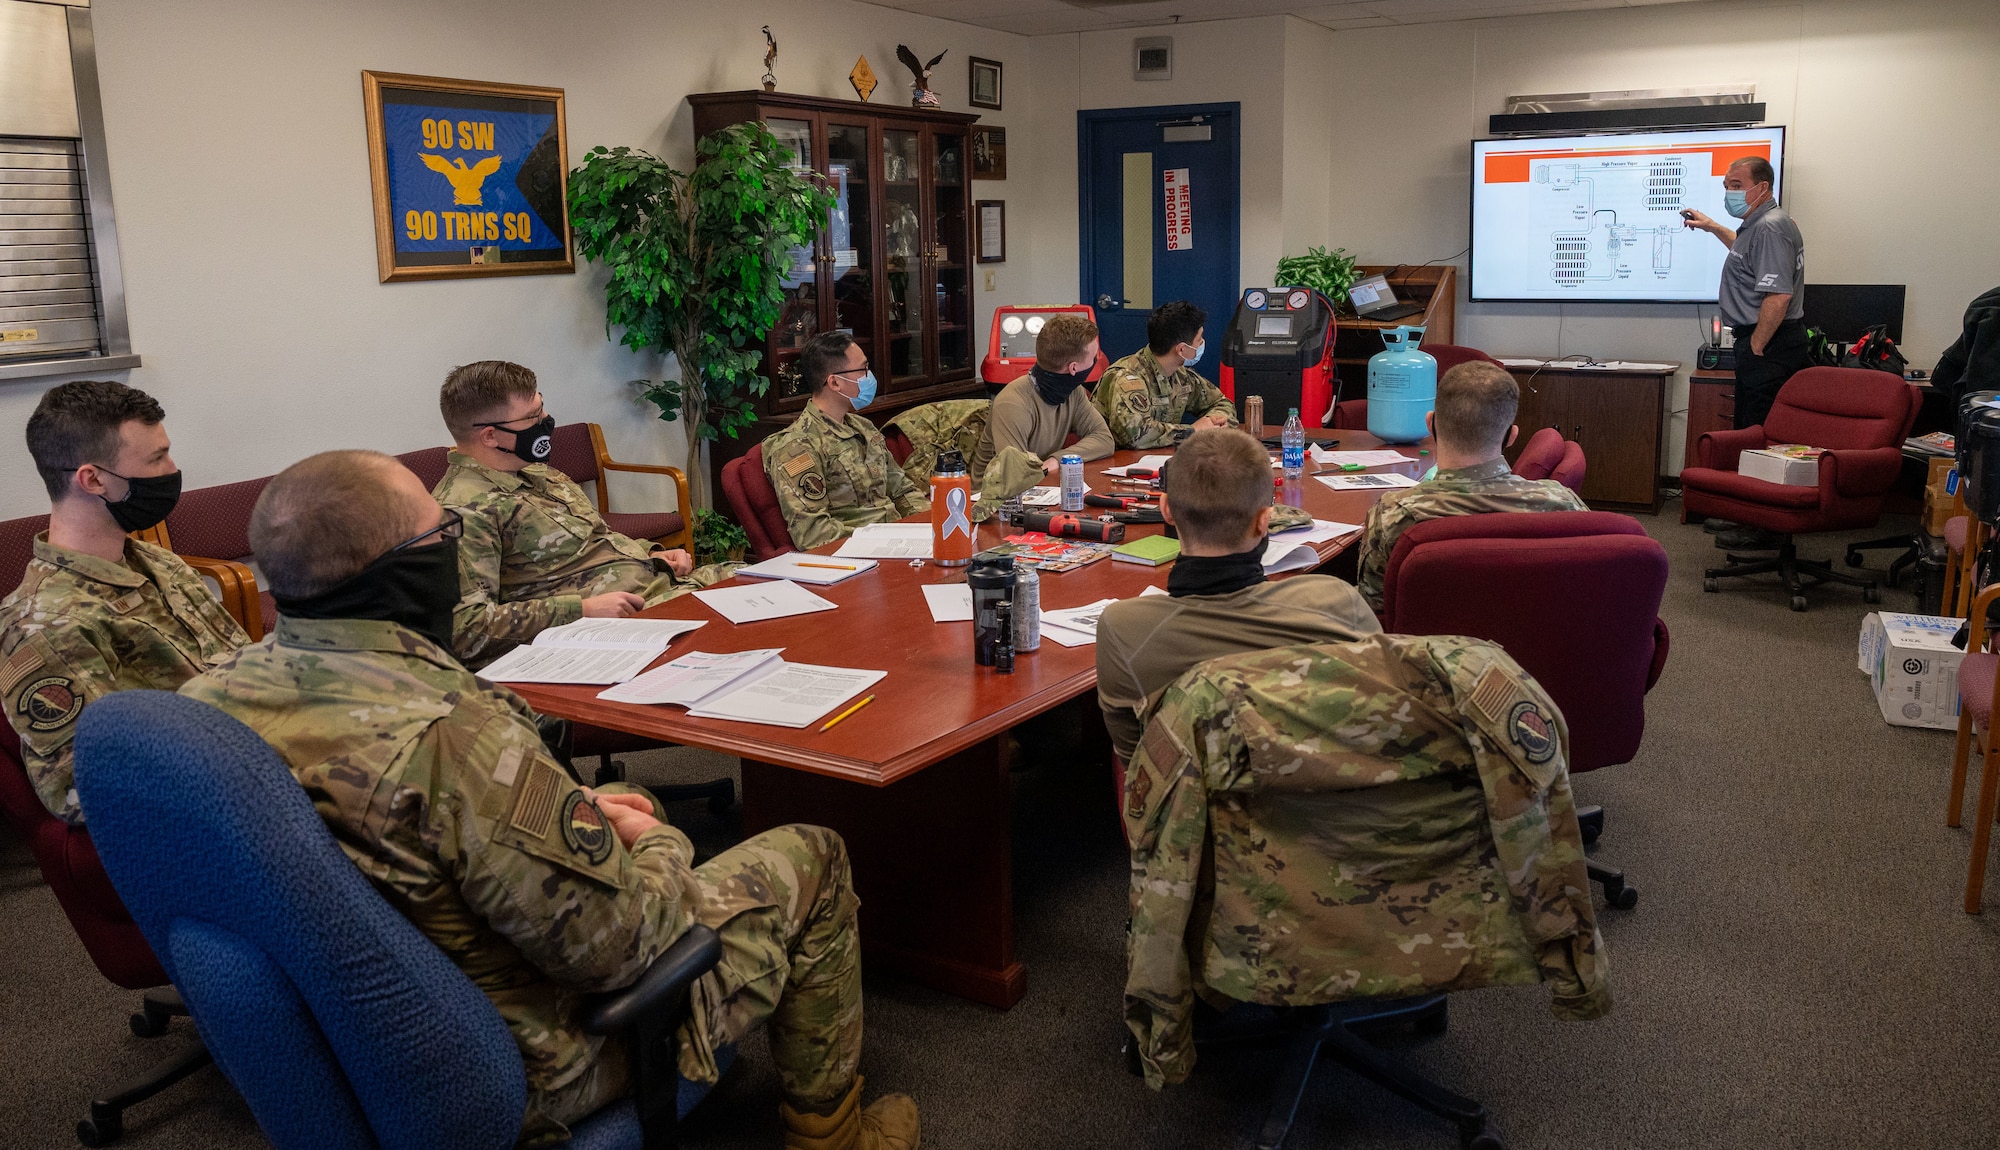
{"x": 1356, "y": 341}
{"x": 893, "y": 266}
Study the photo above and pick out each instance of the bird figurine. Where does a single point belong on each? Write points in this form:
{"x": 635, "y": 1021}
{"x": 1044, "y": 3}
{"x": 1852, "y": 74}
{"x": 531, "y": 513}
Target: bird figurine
{"x": 770, "y": 58}
{"x": 921, "y": 95}
{"x": 465, "y": 181}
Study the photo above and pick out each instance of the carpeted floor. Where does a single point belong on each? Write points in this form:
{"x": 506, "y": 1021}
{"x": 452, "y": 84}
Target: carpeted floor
{"x": 1797, "y": 972}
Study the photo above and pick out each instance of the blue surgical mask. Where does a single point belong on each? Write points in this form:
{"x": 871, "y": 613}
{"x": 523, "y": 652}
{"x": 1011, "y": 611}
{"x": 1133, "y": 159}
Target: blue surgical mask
{"x": 864, "y": 391}
{"x": 1736, "y": 204}
{"x": 1191, "y": 360}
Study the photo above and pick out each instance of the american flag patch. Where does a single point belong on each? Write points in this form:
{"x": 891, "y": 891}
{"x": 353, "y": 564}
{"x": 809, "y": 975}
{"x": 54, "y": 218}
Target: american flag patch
{"x": 535, "y": 802}
{"x": 1492, "y": 692}
{"x": 796, "y": 464}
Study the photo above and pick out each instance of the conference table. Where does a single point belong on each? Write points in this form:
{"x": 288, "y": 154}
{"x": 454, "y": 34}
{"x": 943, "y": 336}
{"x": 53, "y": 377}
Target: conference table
{"x": 917, "y": 781}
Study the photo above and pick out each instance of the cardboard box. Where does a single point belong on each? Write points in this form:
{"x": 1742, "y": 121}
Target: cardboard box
{"x": 1913, "y": 668}
{"x": 1940, "y": 496}
{"x": 1792, "y": 464}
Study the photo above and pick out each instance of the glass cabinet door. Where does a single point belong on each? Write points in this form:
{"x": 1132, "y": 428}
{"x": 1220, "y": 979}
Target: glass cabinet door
{"x": 799, "y": 316}
{"x": 950, "y": 261}
{"x": 850, "y": 257}
{"x": 904, "y": 257}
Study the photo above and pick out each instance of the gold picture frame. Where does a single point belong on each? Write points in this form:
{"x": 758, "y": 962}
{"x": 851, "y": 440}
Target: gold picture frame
{"x": 421, "y": 132}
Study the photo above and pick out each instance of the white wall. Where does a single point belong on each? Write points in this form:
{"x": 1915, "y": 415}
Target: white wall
{"x": 1892, "y": 111}
{"x": 240, "y": 171}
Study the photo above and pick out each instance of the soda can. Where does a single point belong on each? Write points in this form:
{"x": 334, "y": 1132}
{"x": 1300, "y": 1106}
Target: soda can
{"x": 1072, "y": 483}
{"x": 1253, "y": 415}
{"x": 1027, "y": 608}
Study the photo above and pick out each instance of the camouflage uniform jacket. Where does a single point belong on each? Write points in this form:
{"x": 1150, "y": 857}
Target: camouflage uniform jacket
{"x": 1379, "y": 818}
{"x": 80, "y": 627}
{"x": 1490, "y": 486}
{"x": 833, "y": 477}
{"x": 437, "y": 785}
{"x": 1146, "y": 407}
{"x": 534, "y": 549}
{"x": 935, "y": 428}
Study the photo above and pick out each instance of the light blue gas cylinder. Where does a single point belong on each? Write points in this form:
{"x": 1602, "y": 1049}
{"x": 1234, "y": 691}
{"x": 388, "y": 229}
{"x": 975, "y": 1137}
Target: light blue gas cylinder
{"x": 1402, "y": 386}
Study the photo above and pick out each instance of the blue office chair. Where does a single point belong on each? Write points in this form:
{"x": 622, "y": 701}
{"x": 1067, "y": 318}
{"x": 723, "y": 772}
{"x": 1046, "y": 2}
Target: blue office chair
{"x": 340, "y": 1023}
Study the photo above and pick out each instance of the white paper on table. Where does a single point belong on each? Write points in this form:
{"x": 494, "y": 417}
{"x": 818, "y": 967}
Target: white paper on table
{"x": 1152, "y": 591}
{"x": 949, "y": 602}
{"x": 1041, "y": 497}
{"x": 1290, "y": 556}
{"x": 619, "y": 634}
{"x": 758, "y": 601}
{"x": 532, "y": 664}
{"x": 794, "y": 695}
{"x": 1367, "y": 481}
{"x": 1068, "y": 638}
{"x": 1373, "y": 458}
{"x": 1319, "y": 531}
{"x": 1145, "y": 463}
{"x": 693, "y": 677}
{"x": 1517, "y": 361}
{"x": 888, "y": 541}
{"x": 1081, "y": 619}
{"x": 806, "y": 568}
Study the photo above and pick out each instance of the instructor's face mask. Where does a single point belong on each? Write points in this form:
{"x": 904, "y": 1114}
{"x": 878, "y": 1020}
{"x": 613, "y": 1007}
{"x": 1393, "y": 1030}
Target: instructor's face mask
{"x": 414, "y": 586}
{"x": 1736, "y": 204}
{"x": 864, "y": 391}
{"x": 148, "y": 499}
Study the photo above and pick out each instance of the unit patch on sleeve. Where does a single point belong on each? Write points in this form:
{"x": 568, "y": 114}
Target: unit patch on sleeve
{"x": 813, "y": 486}
{"x": 49, "y": 703}
{"x": 585, "y": 829}
{"x": 1532, "y": 732}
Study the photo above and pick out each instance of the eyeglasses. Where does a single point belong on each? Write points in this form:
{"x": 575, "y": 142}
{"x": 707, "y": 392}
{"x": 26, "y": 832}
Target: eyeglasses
{"x": 540, "y": 412}
{"x": 451, "y": 527}
{"x": 862, "y": 370}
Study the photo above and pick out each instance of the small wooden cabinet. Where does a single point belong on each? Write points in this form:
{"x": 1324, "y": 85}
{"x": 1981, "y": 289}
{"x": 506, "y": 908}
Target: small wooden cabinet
{"x": 1711, "y": 407}
{"x": 1617, "y": 415}
{"x": 1356, "y": 341}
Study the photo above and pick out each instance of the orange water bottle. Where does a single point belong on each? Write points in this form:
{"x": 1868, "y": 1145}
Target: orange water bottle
{"x": 951, "y": 511}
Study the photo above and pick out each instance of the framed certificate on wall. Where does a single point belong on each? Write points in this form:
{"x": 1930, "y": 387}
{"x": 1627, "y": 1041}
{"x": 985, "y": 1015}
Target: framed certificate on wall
{"x": 470, "y": 178}
{"x": 992, "y": 231}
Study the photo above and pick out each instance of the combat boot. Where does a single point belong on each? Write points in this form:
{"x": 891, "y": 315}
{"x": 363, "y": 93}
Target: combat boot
{"x": 889, "y": 1123}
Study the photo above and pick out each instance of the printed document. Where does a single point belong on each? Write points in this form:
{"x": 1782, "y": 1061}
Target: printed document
{"x": 1365, "y": 481}
{"x": 589, "y": 651}
{"x": 693, "y": 677}
{"x": 1146, "y": 463}
{"x": 758, "y": 601}
{"x": 1294, "y": 550}
{"x": 800, "y": 567}
{"x": 1074, "y": 626}
{"x": 949, "y": 602}
{"x": 793, "y": 695}
{"x": 1374, "y": 458}
{"x": 887, "y": 541}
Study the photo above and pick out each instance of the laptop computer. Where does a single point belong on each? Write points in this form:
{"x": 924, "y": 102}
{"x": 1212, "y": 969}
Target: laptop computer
{"x": 1374, "y": 299}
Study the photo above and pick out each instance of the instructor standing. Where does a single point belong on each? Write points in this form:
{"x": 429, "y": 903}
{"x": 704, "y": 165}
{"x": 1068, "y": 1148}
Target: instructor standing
{"x": 1763, "y": 286}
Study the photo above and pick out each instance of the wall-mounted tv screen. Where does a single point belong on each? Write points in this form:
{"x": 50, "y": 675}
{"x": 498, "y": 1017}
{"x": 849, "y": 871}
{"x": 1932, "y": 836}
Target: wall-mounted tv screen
{"x": 1598, "y": 218}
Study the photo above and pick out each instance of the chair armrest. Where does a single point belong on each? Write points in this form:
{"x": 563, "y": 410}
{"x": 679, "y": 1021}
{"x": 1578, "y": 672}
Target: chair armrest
{"x": 1868, "y": 471}
{"x": 663, "y": 987}
{"x": 1661, "y": 642}
{"x": 238, "y": 586}
{"x": 681, "y": 503}
{"x": 1719, "y": 449}
{"x": 648, "y": 468}
{"x": 1976, "y": 619}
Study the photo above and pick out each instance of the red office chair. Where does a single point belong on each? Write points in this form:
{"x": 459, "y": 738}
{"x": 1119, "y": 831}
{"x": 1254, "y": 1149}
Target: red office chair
{"x": 755, "y": 503}
{"x": 1574, "y": 597}
{"x": 1353, "y": 413}
{"x": 899, "y": 445}
{"x": 69, "y": 864}
{"x": 1549, "y": 456}
{"x": 429, "y": 464}
{"x": 1861, "y": 418}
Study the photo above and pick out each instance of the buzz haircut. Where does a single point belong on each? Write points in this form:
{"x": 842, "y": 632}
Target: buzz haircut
{"x": 1062, "y": 340}
{"x": 1476, "y": 404}
{"x": 77, "y": 423}
{"x": 1217, "y": 482}
{"x": 823, "y": 355}
{"x": 324, "y": 518}
{"x": 1759, "y": 169}
{"x": 479, "y": 390}
{"x": 1173, "y": 324}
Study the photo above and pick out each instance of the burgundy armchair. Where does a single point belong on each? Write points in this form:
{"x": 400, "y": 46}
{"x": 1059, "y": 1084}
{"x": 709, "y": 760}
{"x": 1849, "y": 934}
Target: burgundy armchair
{"x": 1353, "y": 413}
{"x": 1574, "y": 597}
{"x": 1860, "y": 417}
{"x": 1549, "y": 456}
{"x": 755, "y": 503}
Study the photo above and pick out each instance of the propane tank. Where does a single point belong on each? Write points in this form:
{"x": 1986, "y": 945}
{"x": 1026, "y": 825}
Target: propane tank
{"x": 1402, "y": 386}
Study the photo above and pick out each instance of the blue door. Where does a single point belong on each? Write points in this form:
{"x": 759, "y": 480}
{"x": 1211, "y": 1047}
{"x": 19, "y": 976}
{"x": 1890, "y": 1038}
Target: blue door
{"x": 1158, "y": 218}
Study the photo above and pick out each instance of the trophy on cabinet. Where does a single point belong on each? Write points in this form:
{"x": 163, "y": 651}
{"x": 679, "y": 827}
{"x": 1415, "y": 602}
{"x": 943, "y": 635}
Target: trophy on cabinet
{"x": 921, "y": 95}
{"x": 770, "y": 58}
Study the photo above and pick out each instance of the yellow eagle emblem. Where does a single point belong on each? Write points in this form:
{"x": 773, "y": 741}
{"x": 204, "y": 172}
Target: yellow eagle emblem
{"x": 465, "y": 181}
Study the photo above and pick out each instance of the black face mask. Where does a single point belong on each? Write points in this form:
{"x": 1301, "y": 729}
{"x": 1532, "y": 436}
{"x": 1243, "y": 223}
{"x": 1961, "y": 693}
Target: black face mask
{"x": 538, "y": 442}
{"x": 148, "y": 499}
{"x": 417, "y": 587}
{"x": 1217, "y": 574}
{"x": 1055, "y": 387}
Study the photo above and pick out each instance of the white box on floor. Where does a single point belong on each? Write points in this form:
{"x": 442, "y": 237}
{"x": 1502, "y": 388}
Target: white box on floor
{"x": 1792, "y": 464}
{"x": 1913, "y": 667}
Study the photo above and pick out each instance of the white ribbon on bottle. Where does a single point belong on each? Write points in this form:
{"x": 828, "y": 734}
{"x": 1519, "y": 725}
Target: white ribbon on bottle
{"x": 954, "y": 513}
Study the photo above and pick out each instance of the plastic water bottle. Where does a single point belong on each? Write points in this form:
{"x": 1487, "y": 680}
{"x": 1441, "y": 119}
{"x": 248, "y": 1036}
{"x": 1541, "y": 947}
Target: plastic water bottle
{"x": 1294, "y": 452}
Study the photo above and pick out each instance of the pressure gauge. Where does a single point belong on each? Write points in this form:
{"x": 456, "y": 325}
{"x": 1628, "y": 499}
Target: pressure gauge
{"x": 1011, "y": 325}
{"x": 1035, "y": 323}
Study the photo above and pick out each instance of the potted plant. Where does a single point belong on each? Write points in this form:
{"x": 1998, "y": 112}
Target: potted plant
{"x": 1330, "y": 273}
{"x": 697, "y": 264}
{"x": 718, "y": 539}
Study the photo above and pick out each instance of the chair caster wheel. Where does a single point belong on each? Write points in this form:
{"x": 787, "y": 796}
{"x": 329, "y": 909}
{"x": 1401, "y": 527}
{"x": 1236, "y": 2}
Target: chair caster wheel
{"x": 1624, "y": 898}
{"x": 1870, "y": 595}
{"x": 150, "y": 1024}
{"x": 1854, "y": 558}
{"x": 1708, "y": 585}
{"x": 100, "y": 1132}
{"x": 1482, "y": 1140}
{"x": 1798, "y": 602}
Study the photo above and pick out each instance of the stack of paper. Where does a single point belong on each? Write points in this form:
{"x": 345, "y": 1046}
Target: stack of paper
{"x": 589, "y": 651}
{"x": 1294, "y": 551}
{"x": 1074, "y": 626}
{"x": 803, "y": 568}
{"x": 888, "y": 541}
{"x": 747, "y": 687}
{"x": 1146, "y": 463}
{"x": 758, "y": 601}
{"x": 1367, "y": 481}
{"x": 1376, "y": 458}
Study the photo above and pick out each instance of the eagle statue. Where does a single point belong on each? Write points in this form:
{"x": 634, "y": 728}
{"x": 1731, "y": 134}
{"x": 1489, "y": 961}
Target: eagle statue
{"x": 921, "y": 95}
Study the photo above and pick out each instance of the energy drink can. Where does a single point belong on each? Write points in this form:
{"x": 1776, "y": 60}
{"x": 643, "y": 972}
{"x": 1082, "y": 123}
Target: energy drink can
{"x": 1027, "y": 608}
{"x": 1072, "y": 483}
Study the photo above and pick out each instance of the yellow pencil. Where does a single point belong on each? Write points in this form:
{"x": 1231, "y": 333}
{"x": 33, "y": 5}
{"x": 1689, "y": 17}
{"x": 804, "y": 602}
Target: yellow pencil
{"x": 847, "y": 712}
{"x": 832, "y": 566}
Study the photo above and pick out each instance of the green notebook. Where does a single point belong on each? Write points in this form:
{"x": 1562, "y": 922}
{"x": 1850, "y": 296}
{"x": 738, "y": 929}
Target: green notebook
{"x": 1152, "y": 551}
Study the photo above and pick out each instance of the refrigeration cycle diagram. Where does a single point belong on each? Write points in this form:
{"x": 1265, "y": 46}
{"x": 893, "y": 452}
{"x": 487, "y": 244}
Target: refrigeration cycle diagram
{"x": 1621, "y": 209}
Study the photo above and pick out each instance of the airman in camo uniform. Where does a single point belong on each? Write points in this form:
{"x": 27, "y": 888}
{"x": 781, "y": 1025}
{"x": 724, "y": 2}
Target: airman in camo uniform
{"x": 1472, "y": 424}
{"x": 830, "y": 468}
{"x": 1385, "y": 817}
{"x": 438, "y": 786}
{"x": 935, "y": 428}
{"x": 96, "y": 610}
{"x": 1154, "y": 397}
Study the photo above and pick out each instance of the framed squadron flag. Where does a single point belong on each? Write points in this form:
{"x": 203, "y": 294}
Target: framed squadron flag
{"x": 469, "y": 177}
